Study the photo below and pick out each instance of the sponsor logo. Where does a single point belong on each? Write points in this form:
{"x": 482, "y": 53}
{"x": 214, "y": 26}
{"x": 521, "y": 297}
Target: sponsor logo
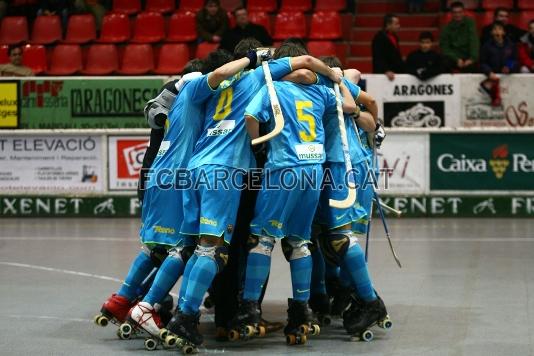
{"x": 311, "y": 151}
{"x": 130, "y": 154}
{"x": 206, "y": 221}
{"x": 519, "y": 116}
{"x": 164, "y": 146}
{"x": 43, "y": 94}
{"x": 499, "y": 163}
{"x": 275, "y": 223}
{"x": 485, "y": 205}
{"x": 89, "y": 174}
{"x": 163, "y": 230}
{"x": 414, "y": 114}
{"x": 9, "y": 105}
{"x": 105, "y": 208}
{"x": 224, "y": 127}
{"x": 423, "y": 89}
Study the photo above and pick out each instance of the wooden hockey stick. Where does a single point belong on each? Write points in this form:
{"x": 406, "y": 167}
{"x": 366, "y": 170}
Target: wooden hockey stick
{"x": 351, "y": 184}
{"x": 275, "y": 105}
{"x": 398, "y": 213}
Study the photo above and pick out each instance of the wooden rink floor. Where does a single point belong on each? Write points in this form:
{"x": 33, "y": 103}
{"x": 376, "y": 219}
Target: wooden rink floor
{"x": 466, "y": 288}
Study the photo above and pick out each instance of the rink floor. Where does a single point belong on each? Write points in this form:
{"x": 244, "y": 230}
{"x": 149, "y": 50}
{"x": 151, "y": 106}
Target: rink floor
{"x": 466, "y": 288}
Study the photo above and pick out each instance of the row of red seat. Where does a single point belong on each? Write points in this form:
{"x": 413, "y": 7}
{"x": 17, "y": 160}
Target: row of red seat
{"x": 493, "y": 4}
{"x": 482, "y": 19}
{"x": 165, "y": 6}
{"x": 132, "y": 59}
{"x": 149, "y": 27}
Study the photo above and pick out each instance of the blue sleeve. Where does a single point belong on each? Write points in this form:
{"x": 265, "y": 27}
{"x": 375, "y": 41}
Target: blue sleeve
{"x": 322, "y": 80}
{"x": 330, "y": 101}
{"x": 258, "y": 107}
{"x": 199, "y": 89}
{"x": 353, "y": 88}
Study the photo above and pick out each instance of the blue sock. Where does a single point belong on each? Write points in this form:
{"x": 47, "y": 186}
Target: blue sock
{"x": 301, "y": 270}
{"x": 200, "y": 279}
{"x": 139, "y": 270}
{"x": 354, "y": 264}
{"x": 171, "y": 269}
{"x": 258, "y": 266}
{"x": 185, "y": 279}
{"x": 318, "y": 272}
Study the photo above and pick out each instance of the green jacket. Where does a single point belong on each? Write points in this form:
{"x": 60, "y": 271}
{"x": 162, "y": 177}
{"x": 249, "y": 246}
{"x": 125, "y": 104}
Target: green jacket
{"x": 459, "y": 40}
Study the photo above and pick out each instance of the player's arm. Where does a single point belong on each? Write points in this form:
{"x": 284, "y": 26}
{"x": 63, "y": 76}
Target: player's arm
{"x": 301, "y": 76}
{"x": 354, "y": 75}
{"x": 226, "y": 71}
{"x": 349, "y": 105}
{"x": 253, "y": 127}
{"x": 370, "y": 105}
{"x": 315, "y": 65}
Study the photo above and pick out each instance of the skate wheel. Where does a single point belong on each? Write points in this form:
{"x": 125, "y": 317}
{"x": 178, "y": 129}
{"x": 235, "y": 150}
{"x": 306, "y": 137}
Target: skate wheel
{"x": 208, "y": 303}
{"x": 291, "y": 339}
{"x": 188, "y": 349}
{"x": 125, "y": 328}
{"x": 170, "y": 340}
{"x": 315, "y": 329}
{"x": 163, "y": 333}
{"x": 150, "y": 344}
{"x": 386, "y": 323}
{"x": 233, "y": 335}
{"x": 304, "y": 329}
{"x": 302, "y": 340}
{"x": 101, "y": 320}
{"x": 367, "y": 335}
{"x": 261, "y": 331}
{"x": 327, "y": 320}
{"x": 249, "y": 330}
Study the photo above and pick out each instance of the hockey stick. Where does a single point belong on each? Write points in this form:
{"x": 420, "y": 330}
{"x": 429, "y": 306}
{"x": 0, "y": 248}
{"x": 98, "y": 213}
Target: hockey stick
{"x": 379, "y": 206}
{"x": 351, "y": 185}
{"x": 398, "y": 213}
{"x": 275, "y": 105}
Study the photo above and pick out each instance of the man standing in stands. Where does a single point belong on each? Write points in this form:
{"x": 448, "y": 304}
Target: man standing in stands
{"x": 15, "y": 68}
{"x": 387, "y": 57}
{"x": 244, "y": 29}
{"x": 211, "y": 21}
{"x": 502, "y": 15}
{"x": 459, "y": 41}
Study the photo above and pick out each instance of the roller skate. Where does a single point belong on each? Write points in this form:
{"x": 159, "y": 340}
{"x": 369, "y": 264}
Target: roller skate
{"x": 114, "y": 310}
{"x": 299, "y": 323}
{"x": 144, "y": 318}
{"x": 271, "y": 326}
{"x": 183, "y": 333}
{"x": 221, "y": 334}
{"x": 246, "y": 323}
{"x": 320, "y": 305}
{"x": 353, "y": 312}
{"x": 370, "y": 314}
{"x": 341, "y": 300}
{"x": 165, "y": 309}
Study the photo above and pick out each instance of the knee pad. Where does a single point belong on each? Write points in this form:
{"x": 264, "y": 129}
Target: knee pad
{"x": 295, "y": 249}
{"x": 182, "y": 253}
{"x": 336, "y": 244}
{"x": 262, "y": 245}
{"x": 217, "y": 253}
{"x": 158, "y": 254}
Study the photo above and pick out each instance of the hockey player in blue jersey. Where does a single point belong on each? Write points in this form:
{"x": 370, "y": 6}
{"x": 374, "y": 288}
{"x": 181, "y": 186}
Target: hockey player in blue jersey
{"x": 285, "y": 210}
{"x": 223, "y": 148}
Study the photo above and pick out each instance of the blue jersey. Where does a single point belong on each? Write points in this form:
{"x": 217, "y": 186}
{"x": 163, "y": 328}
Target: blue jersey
{"x": 224, "y": 139}
{"x": 302, "y": 139}
{"x": 182, "y": 129}
{"x": 334, "y": 149}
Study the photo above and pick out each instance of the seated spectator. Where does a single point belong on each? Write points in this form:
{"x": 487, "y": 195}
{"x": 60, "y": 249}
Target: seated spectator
{"x": 212, "y": 22}
{"x": 15, "y": 68}
{"x": 387, "y": 57}
{"x": 526, "y": 50}
{"x": 55, "y": 7}
{"x": 244, "y": 29}
{"x": 498, "y": 55}
{"x": 459, "y": 41}
{"x": 425, "y": 63}
{"x": 502, "y": 15}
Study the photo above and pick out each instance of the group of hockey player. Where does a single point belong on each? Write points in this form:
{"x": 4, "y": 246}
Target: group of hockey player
{"x": 202, "y": 128}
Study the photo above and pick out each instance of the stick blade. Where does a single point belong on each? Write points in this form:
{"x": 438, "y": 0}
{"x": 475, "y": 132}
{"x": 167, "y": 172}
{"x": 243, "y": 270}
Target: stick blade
{"x": 345, "y": 203}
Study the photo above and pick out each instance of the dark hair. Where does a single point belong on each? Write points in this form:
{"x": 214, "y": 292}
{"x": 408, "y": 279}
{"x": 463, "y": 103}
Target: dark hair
{"x": 456, "y": 4}
{"x": 426, "y": 35}
{"x": 194, "y": 65}
{"x": 13, "y": 47}
{"x": 500, "y": 9}
{"x": 216, "y": 59}
{"x": 289, "y": 50}
{"x": 296, "y": 41}
{"x": 498, "y": 24}
{"x": 388, "y": 19}
{"x": 239, "y": 8}
{"x": 244, "y": 46}
{"x": 531, "y": 22}
{"x": 331, "y": 61}
{"x": 216, "y": 2}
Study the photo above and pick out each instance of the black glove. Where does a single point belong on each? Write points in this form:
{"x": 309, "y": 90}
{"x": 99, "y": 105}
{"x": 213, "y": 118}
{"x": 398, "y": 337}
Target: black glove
{"x": 380, "y": 135}
{"x": 256, "y": 57}
{"x": 260, "y": 153}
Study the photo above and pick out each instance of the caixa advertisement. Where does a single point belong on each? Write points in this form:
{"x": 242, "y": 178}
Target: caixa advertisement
{"x": 482, "y": 162}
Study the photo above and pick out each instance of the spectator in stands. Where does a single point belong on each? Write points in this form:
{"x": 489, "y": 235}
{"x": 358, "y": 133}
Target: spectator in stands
{"x": 502, "y": 15}
{"x": 97, "y": 8}
{"x": 244, "y": 29}
{"x": 459, "y": 41}
{"x": 55, "y": 7}
{"x": 425, "y": 63}
{"x": 212, "y": 21}
{"x": 415, "y": 5}
{"x": 498, "y": 55}
{"x": 387, "y": 57}
{"x": 15, "y": 68}
{"x": 526, "y": 50}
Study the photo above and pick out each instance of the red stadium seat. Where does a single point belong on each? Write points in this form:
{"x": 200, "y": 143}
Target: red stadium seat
{"x": 66, "y": 60}
{"x": 524, "y": 18}
{"x": 162, "y": 6}
{"x": 525, "y": 4}
{"x": 484, "y": 18}
{"x": 182, "y": 27}
{"x": 493, "y": 4}
{"x": 81, "y": 29}
{"x": 296, "y": 5}
{"x": 4, "y": 57}
{"x": 46, "y": 29}
{"x": 137, "y": 59}
{"x": 289, "y": 24}
{"x": 205, "y": 48}
{"x": 172, "y": 58}
{"x": 191, "y": 5}
{"x": 325, "y": 26}
{"x": 128, "y": 7}
{"x": 14, "y": 29}
{"x": 261, "y": 18}
{"x": 261, "y": 5}
{"x": 102, "y": 59}
{"x": 322, "y": 48}
{"x": 231, "y": 19}
{"x": 149, "y": 28}
{"x": 34, "y": 56}
{"x": 115, "y": 29}
{"x": 330, "y": 5}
